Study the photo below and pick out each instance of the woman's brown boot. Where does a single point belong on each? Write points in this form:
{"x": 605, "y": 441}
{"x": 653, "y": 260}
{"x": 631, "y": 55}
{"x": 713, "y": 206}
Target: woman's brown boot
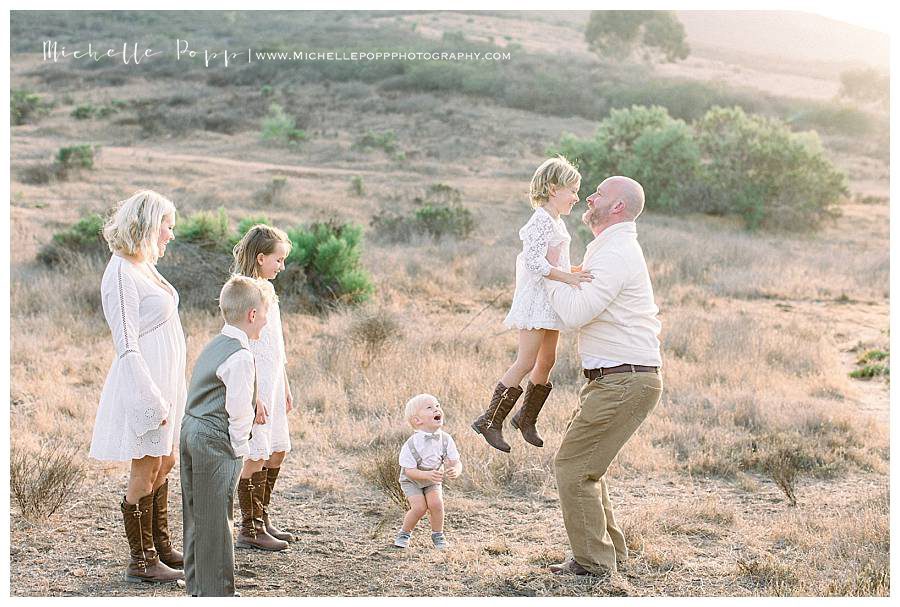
{"x": 253, "y": 530}
{"x": 162, "y": 543}
{"x": 271, "y": 528}
{"x": 490, "y": 424}
{"x": 145, "y": 565}
{"x": 526, "y": 417}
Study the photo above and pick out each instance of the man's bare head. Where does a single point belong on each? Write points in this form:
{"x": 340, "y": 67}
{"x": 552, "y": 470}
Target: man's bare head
{"x": 617, "y": 199}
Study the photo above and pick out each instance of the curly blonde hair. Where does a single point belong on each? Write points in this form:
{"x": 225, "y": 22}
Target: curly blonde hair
{"x": 556, "y": 172}
{"x": 134, "y": 227}
{"x": 261, "y": 238}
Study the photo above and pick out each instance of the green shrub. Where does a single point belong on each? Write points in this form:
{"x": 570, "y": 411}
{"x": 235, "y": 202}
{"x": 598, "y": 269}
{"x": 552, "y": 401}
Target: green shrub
{"x": 667, "y": 162}
{"x": 438, "y": 220}
{"x": 870, "y": 371}
{"x": 280, "y": 127}
{"x": 872, "y": 355}
{"x": 25, "y": 106}
{"x": 756, "y": 167}
{"x": 329, "y": 255}
{"x": 356, "y": 186}
{"x": 323, "y": 268}
{"x": 84, "y": 237}
{"x": 76, "y": 157}
{"x": 385, "y": 140}
{"x": 727, "y": 163}
{"x": 205, "y": 228}
{"x": 84, "y": 112}
{"x": 440, "y": 214}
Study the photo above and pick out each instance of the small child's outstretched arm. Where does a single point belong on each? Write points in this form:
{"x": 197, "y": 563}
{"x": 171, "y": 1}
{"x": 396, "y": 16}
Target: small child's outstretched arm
{"x": 538, "y": 252}
{"x": 434, "y": 476}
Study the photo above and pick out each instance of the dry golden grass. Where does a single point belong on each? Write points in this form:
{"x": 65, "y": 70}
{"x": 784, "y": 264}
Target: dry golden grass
{"x": 757, "y": 338}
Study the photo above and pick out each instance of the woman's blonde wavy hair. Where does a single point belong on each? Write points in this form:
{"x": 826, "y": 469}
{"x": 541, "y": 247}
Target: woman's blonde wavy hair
{"x": 261, "y": 238}
{"x": 557, "y": 172}
{"x": 134, "y": 227}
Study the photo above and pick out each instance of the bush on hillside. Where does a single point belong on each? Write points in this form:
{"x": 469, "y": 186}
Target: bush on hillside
{"x": 329, "y": 255}
{"x": 25, "y": 107}
{"x": 84, "y": 237}
{"x": 727, "y": 163}
{"x": 774, "y": 178}
{"x": 323, "y": 269}
{"x": 280, "y": 127}
{"x": 440, "y": 214}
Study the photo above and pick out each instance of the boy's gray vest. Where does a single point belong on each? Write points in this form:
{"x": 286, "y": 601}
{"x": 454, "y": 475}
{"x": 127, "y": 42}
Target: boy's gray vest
{"x": 418, "y": 458}
{"x": 206, "y": 394}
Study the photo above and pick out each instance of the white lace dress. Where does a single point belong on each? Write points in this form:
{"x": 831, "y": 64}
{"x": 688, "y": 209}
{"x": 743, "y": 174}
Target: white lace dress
{"x": 268, "y": 350}
{"x": 146, "y": 383}
{"x": 545, "y": 243}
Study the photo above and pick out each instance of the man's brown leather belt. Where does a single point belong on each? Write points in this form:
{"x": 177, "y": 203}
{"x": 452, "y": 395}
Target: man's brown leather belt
{"x": 592, "y": 374}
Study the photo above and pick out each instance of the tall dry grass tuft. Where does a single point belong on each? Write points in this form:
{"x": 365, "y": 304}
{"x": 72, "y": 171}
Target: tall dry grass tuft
{"x": 382, "y": 470}
{"x": 40, "y": 482}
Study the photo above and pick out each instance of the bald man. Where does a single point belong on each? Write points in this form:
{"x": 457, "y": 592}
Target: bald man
{"x": 619, "y": 347}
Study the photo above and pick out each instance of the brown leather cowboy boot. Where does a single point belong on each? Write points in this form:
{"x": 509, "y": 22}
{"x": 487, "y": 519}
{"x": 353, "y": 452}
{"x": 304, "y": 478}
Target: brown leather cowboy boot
{"x": 253, "y": 530}
{"x": 490, "y": 424}
{"x": 145, "y": 565}
{"x": 271, "y": 528}
{"x": 526, "y": 417}
{"x": 162, "y": 543}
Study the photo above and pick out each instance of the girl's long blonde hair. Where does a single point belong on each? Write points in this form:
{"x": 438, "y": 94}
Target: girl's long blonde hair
{"x": 261, "y": 238}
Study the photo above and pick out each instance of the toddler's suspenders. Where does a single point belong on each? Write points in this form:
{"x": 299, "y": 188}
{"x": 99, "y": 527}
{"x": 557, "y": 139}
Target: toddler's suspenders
{"x": 415, "y": 452}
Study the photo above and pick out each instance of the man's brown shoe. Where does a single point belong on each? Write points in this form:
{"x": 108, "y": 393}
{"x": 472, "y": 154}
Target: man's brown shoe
{"x": 167, "y": 554}
{"x": 571, "y": 567}
{"x": 271, "y": 528}
{"x": 145, "y": 565}
{"x": 253, "y": 530}
{"x": 490, "y": 424}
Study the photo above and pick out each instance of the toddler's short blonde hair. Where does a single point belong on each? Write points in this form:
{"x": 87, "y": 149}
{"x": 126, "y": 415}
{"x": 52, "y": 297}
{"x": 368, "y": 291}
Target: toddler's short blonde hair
{"x": 413, "y": 404}
{"x": 134, "y": 227}
{"x": 556, "y": 172}
{"x": 241, "y": 293}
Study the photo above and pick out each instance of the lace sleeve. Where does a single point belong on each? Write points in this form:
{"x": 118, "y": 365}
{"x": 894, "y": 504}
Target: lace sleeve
{"x": 143, "y": 400}
{"x": 535, "y": 242}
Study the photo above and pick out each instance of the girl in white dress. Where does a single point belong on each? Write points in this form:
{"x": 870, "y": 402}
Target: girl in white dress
{"x": 261, "y": 254}
{"x": 545, "y": 253}
{"x": 143, "y": 398}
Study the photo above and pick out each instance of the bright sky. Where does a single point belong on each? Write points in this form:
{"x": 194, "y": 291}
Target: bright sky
{"x": 870, "y": 19}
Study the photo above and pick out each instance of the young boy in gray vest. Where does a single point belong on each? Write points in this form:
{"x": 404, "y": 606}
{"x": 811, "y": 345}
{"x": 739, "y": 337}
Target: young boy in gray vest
{"x": 425, "y": 458}
{"x": 215, "y": 433}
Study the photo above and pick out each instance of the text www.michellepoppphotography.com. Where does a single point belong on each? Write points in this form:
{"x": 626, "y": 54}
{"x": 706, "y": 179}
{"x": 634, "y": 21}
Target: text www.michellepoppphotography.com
{"x": 135, "y": 54}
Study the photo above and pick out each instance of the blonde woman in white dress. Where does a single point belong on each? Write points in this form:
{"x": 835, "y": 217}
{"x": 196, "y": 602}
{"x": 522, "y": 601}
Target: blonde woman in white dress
{"x": 261, "y": 253}
{"x": 139, "y": 417}
{"x": 545, "y": 253}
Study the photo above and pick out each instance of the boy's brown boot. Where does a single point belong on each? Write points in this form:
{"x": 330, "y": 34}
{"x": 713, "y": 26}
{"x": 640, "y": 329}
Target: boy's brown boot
{"x": 271, "y": 528}
{"x": 145, "y": 565}
{"x": 167, "y": 554}
{"x": 526, "y": 417}
{"x": 253, "y": 529}
{"x": 490, "y": 424}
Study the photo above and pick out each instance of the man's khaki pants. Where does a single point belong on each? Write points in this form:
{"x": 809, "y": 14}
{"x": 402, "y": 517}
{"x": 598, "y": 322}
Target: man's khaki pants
{"x": 612, "y": 408}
